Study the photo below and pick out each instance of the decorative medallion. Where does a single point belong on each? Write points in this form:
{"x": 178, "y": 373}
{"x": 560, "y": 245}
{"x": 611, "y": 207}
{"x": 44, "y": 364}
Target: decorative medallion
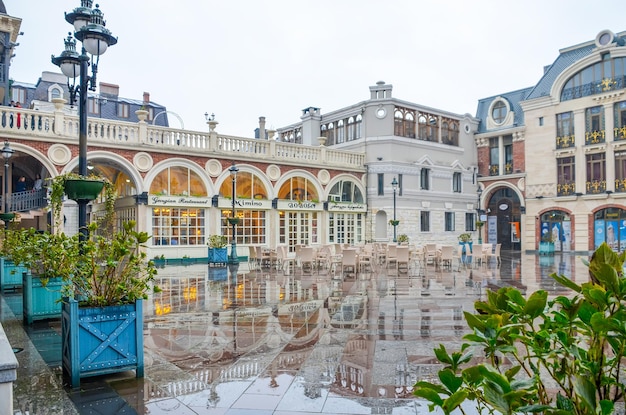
{"x": 59, "y": 154}
{"x": 273, "y": 172}
{"x": 143, "y": 161}
{"x": 213, "y": 167}
{"x": 323, "y": 176}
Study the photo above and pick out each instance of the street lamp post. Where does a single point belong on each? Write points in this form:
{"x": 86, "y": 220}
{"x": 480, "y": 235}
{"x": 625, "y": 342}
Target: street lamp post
{"x": 234, "y": 259}
{"x": 479, "y": 192}
{"x": 7, "y": 152}
{"x": 89, "y": 26}
{"x": 394, "y": 185}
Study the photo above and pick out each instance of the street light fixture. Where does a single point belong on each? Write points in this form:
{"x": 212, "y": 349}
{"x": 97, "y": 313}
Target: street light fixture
{"x": 89, "y": 26}
{"x": 234, "y": 259}
{"x": 7, "y": 152}
{"x": 394, "y": 185}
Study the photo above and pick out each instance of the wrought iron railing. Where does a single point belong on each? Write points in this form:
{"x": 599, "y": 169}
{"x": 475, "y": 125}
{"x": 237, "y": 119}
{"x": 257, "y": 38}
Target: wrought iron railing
{"x": 565, "y": 189}
{"x": 594, "y": 137}
{"x": 596, "y": 186}
{"x": 619, "y": 133}
{"x": 494, "y": 170}
{"x": 593, "y": 88}
{"x": 620, "y": 185}
{"x": 25, "y": 201}
{"x": 565, "y": 141}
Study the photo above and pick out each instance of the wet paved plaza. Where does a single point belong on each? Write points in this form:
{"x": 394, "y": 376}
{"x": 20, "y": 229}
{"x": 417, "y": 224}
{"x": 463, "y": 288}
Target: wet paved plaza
{"x": 268, "y": 343}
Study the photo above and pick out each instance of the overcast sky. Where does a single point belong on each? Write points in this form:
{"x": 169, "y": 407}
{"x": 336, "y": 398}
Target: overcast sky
{"x": 249, "y": 58}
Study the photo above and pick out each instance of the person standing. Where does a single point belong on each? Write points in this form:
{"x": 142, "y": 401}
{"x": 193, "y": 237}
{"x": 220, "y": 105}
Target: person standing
{"x": 21, "y": 185}
{"x": 38, "y": 184}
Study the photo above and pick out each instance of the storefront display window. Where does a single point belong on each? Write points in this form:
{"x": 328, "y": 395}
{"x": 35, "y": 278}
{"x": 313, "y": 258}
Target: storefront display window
{"x": 178, "y": 226}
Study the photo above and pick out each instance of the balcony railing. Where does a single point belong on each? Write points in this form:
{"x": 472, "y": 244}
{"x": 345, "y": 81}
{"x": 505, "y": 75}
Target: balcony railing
{"x": 620, "y": 185}
{"x": 594, "y": 137}
{"x": 565, "y": 141}
{"x": 596, "y": 186}
{"x": 25, "y": 201}
{"x": 60, "y": 127}
{"x": 508, "y": 168}
{"x": 619, "y": 133}
{"x": 494, "y": 170}
{"x": 565, "y": 189}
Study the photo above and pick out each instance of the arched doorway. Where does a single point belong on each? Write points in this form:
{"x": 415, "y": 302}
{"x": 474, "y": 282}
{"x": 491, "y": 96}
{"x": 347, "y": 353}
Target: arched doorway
{"x": 504, "y": 219}
{"x": 609, "y": 225}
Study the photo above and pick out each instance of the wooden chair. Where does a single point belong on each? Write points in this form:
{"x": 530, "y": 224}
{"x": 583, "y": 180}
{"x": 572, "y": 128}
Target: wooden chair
{"x": 392, "y": 255}
{"x": 285, "y": 259}
{"x": 349, "y": 261}
{"x": 495, "y": 254}
{"x": 402, "y": 258}
{"x": 446, "y": 256}
{"x": 478, "y": 255}
{"x": 430, "y": 254}
{"x": 307, "y": 259}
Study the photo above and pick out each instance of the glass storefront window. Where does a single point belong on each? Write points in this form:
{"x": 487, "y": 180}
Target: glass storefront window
{"x": 250, "y": 229}
{"x": 178, "y": 226}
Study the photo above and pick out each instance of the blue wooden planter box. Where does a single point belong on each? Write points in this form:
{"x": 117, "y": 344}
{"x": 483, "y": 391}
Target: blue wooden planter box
{"x": 10, "y": 275}
{"x": 41, "y": 302}
{"x": 218, "y": 255}
{"x": 101, "y": 340}
{"x": 546, "y": 248}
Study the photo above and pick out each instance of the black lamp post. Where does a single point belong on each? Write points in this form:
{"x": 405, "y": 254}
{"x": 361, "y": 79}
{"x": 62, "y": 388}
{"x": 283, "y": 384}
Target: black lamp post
{"x": 7, "y": 152}
{"x": 89, "y": 26}
{"x": 394, "y": 184}
{"x": 234, "y": 259}
{"x": 479, "y": 192}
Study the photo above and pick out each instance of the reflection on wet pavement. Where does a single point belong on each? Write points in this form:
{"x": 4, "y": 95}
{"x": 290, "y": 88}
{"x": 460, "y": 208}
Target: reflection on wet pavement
{"x": 262, "y": 341}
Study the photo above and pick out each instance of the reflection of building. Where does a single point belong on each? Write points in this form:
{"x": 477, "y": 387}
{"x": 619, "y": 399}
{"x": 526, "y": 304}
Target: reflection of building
{"x": 572, "y": 126}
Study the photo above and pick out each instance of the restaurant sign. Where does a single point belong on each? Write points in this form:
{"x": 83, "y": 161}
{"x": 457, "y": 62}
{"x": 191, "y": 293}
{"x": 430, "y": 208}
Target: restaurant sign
{"x": 224, "y": 203}
{"x": 346, "y": 207}
{"x": 298, "y": 205}
{"x": 187, "y": 201}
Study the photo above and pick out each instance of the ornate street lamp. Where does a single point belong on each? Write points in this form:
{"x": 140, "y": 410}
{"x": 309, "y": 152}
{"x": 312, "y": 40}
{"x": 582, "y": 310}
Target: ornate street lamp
{"x": 479, "y": 192}
{"x": 234, "y": 259}
{"x": 7, "y": 216}
{"x": 89, "y": 26}
{"x": 394, "y": 185}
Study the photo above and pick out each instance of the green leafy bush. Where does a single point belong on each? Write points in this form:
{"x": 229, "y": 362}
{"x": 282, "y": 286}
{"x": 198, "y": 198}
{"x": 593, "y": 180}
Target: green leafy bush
{"x": 558, "y": 356}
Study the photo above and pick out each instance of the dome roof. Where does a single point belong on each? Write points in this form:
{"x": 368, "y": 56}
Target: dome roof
{"x": 3, "y": 9}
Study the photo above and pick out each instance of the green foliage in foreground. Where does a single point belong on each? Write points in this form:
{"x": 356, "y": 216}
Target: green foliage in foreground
{"x": 558, "y": 356}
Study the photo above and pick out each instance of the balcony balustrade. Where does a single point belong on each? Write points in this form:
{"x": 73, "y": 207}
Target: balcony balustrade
{"x": 566, "y": 189}
{"x": 565, "y": 141}
{"x": 58, "y": 127}
{"x": 494, "y": 170}
{"x": 596, "y": 186}
{"x": 595, "y": 137}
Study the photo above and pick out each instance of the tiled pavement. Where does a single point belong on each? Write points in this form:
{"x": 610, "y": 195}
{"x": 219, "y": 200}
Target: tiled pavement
{"x": 269, "y": 343}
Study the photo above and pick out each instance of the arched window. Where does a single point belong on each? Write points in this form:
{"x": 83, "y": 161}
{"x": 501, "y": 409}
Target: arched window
{"x": 340, "y": 132}
{"x": 398, "y": 119}
{"x": 249, "y": 186}
{"x": 597, "y": 78}
{"x": 345, "y": 191}
{"x": 351, "y": 129}
{"x": 499, "y": 111}
{"x": 359, "y": 122}
{"x": 180, "y": 181}
{"x": 298, "y": 189}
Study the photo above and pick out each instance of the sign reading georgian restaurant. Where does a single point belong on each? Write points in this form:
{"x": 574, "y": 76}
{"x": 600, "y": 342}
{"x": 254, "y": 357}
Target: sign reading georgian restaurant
{"x": 346, "y": 207}
{"x": 224, "y": 203}
{"x": 159, "y": 200}
{"x": 298, "y": 205}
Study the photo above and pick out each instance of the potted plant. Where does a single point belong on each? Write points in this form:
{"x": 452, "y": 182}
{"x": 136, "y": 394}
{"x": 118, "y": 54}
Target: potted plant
{"x": 78, "y": 187}
{"x": 465, "y": 239}
{"x": 105, "y": 278}
{"x": 546, "y": 245}
{"x": 403, "y": 239}
{"x": 217, "y": 249}
{"x": 393, "y": 222}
